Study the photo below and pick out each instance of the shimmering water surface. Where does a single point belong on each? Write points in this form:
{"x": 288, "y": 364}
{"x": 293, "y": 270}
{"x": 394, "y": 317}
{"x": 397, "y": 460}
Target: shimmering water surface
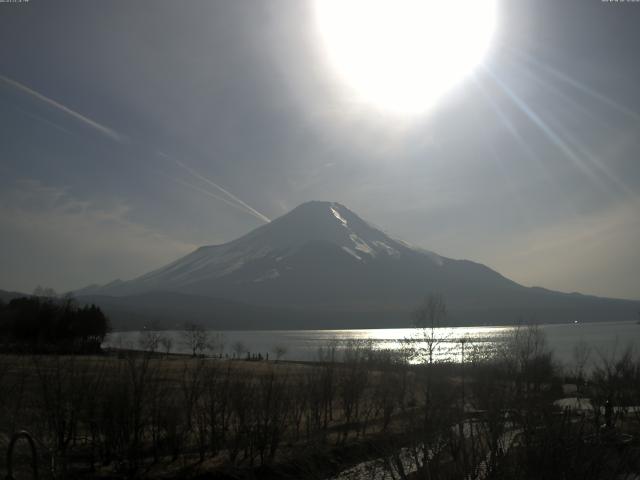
{"x": 602, "y": 338}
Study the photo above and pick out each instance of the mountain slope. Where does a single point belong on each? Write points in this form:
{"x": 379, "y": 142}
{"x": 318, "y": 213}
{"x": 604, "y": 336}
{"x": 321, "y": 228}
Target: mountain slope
{"x": 322, "y": 257}
{"x": 309, "y": 256}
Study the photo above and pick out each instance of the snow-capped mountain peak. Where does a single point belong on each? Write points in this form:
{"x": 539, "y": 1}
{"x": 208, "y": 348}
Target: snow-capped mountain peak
{"x": 266, "y": 252}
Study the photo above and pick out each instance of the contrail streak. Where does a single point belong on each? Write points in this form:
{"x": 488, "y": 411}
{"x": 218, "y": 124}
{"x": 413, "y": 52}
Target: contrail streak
{"x": 248, "y": 208}
{"x": 87, "y": 121}
{"x": 202, "y": 190}
{"x": 234, "y": 202}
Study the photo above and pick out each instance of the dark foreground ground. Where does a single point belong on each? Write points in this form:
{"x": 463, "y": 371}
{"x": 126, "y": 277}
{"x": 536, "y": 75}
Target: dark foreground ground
{"x": 142, "y": 415}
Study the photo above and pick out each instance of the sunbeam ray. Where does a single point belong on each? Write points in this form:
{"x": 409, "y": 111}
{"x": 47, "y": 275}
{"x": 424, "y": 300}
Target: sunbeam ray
{"x": 508, "y": 124}
{"x": 537, "y": 120}
{"x": 549, "y": 87}
{"x": 570, "y": 139}
{"x": 578, "y": 85}
{"x": 596, "y": 162}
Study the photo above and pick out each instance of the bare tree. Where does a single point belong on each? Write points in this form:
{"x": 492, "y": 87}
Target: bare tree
{"x": 238, "y": 348}
{"x": 63, "y": 386}
{"x": 528, "y": 357}
{"x": 167, "y": 344}
{"x": 279, "y": 351}
{"x": 428, "y": 318}
{"x": 195, "y": 338}
{"x": 215, "y": 344}
{"x": 581, "y": 354}
{"x": 149, "y": 340}
{"x": 613, "y": 384}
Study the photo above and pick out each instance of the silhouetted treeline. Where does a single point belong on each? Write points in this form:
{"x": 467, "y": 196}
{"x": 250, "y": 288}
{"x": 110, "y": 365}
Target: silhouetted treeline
{"x": 49, "y": 324}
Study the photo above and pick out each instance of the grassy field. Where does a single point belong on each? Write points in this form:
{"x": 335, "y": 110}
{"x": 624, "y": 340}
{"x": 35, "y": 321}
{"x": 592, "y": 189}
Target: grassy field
{"x": 142, "y": 415}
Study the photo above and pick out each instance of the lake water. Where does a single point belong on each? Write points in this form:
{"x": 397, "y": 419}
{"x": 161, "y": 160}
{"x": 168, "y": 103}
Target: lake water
{"x": 602, "y": 338}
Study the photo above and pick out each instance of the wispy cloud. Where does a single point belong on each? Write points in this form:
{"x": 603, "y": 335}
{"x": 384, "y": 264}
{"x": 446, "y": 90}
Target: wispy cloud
{"x": 53, "y": 238}
{"x": 109, "y": 132}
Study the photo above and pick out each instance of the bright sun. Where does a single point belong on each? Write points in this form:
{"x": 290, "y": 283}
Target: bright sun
{"x": 402, "y": 55}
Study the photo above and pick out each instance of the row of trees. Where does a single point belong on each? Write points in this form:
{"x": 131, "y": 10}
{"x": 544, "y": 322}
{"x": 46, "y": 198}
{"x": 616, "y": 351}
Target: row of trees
{"x": 196, "y": 340}
{"x": 45, "y": 324}
{"x": 142, "y": 409}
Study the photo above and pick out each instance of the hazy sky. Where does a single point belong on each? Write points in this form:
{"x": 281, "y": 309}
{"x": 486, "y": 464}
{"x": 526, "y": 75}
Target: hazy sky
{"x": 118, "y": 118}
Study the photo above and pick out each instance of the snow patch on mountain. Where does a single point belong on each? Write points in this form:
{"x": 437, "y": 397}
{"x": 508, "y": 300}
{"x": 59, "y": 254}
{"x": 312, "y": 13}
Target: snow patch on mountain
{"x": 269, "y": 275}
{"x": 361, "y": 245}
{"x": 352, "y": 253}
{"x": 392, "y": 252}
{"x": 338, "y": 216}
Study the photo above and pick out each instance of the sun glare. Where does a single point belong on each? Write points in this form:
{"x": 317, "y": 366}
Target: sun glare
{"x": 402, "y": 55}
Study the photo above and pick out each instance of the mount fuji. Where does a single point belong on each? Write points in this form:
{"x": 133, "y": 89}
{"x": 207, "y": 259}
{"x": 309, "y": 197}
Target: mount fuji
{"x": 322, "y": 266}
